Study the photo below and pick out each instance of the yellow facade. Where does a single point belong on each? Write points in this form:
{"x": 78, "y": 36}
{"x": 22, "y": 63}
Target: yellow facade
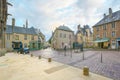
{"x": 87, "y": 40}
{"x": 15, "y": 37}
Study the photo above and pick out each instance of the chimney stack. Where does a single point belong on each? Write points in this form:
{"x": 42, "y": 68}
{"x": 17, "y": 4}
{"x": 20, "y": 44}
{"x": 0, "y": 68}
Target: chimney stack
{"x": 26, "y": 23}
{"x": 78, "y": 27}
{"x": 110, "y": 12}
{"x": 13, "y": 24}
{"x": 13, "y": 21}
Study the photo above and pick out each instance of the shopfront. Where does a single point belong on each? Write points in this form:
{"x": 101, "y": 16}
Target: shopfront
{"x": 118, "y": 43}
{"x": 103, "y": 43}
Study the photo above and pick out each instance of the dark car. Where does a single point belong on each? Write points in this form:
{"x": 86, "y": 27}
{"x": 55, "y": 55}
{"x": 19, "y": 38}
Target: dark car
{"x": 23, "y": 50}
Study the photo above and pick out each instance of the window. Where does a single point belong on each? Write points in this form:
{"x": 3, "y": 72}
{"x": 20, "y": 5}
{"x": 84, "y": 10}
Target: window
{"x": 113, "y": 42}
{"x": 97, "y": 28}
{"x": 25, "y": 37}
{"x": 104, "y": 27}
{"x": 25, "y": 45}
{"x": 113, "y": 33}
{"x": 113, "y": 24}
{"x": 8, "y": 36}
{"x": 32, "y": 37}
{"x": 64, "y": 35}
{"x": 16, "y": 37}
{"x": 60, "y": 34}
{"x": 33, "y": 45}
{"x": 104, "y": 34}
{"x": 69, "y": 36}
{"x": 97, "y": 36}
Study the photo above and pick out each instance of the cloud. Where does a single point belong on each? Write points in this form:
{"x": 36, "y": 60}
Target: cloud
{"x": 49, "y": 14}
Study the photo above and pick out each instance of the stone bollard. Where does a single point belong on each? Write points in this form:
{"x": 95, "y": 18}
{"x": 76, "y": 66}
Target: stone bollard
{"x": 31, "y": 55}
{"x": 39, "y": 57}
{"x": 49, "y": 59}
{"x": 86, "y": 71}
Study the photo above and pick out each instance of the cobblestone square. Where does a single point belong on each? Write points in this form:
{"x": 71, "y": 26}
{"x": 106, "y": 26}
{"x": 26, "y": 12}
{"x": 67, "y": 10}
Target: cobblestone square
{"x": 109, "y": 67}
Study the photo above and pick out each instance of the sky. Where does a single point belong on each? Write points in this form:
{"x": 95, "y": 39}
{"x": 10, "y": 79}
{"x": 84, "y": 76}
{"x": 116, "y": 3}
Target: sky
{"x": 46, "y": 15}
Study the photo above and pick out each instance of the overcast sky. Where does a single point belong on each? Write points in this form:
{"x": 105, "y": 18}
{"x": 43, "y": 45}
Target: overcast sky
{"x": 46, "y": 15}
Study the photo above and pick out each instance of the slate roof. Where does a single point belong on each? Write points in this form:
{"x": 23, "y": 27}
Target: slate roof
{"x": 20, "y": 30}
{"x": 107, "y": 19}
{"x": 64, "y": 28}
{"x": 83, "y": 30}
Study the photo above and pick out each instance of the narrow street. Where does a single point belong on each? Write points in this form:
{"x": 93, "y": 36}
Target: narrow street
{"x": 109, "y": 66}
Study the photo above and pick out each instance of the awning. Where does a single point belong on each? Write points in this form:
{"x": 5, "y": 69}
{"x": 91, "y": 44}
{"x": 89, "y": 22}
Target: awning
{"x": 118, "y": 39}
{"x": 102, "y": 40}
{"x": 98, "y": 40}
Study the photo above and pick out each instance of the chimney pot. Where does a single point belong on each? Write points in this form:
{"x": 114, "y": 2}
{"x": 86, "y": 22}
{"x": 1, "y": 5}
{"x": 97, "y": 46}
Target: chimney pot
{"x": 104, "y": 15}
{"x": 110, "y": 12}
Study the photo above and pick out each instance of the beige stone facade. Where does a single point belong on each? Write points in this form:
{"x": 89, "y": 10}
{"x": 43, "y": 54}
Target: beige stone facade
{"x": 21, "y": 36}
{"x": 62, "y": 37}
{"x": 16, "y": 37}
{"x": 84, "y": 36}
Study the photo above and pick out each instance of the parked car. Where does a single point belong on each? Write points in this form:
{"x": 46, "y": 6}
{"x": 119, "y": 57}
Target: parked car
{"x": 23, "y": 50}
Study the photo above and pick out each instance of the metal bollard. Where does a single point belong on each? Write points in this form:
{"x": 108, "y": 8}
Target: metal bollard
{"x": 39, "y": 57}
{"x": 86, "y": 71}
{"x": 49, "y": 59}
{"x": 31, "y": 55}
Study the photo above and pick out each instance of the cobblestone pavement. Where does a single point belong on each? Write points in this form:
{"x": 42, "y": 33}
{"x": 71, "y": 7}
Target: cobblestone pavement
{"x": 109, "y": 67}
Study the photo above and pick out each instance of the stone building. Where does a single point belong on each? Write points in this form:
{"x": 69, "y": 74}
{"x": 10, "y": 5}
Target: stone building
{"x": 3, "y": 18}
{"x": 41, "y": 38}
{"x": 106, "y": 31}
{"x": 84, "y": 36}
{"x": 61, "y": 37}
{"x": 17, "y": 37}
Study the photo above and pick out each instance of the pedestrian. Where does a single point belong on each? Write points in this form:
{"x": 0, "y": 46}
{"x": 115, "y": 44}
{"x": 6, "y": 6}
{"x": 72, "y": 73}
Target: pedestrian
{"x": 65, "y": 50}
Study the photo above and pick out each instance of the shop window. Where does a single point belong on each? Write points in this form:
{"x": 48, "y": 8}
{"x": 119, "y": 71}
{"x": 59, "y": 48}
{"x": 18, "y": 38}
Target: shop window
{"x": 113, "y": 42}
{"x": 25, "y": 45}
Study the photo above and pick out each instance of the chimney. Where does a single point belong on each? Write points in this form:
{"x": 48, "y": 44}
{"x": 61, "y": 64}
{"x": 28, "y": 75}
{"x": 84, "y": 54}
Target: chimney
{"x": 26, "y": 23}
{"x": 78, "y": 27}
{"x": 13, "y": 21}
{"x": 13, "y": 24}
{"x": 110, "y": 12}
{"x": 104, "y": 15}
